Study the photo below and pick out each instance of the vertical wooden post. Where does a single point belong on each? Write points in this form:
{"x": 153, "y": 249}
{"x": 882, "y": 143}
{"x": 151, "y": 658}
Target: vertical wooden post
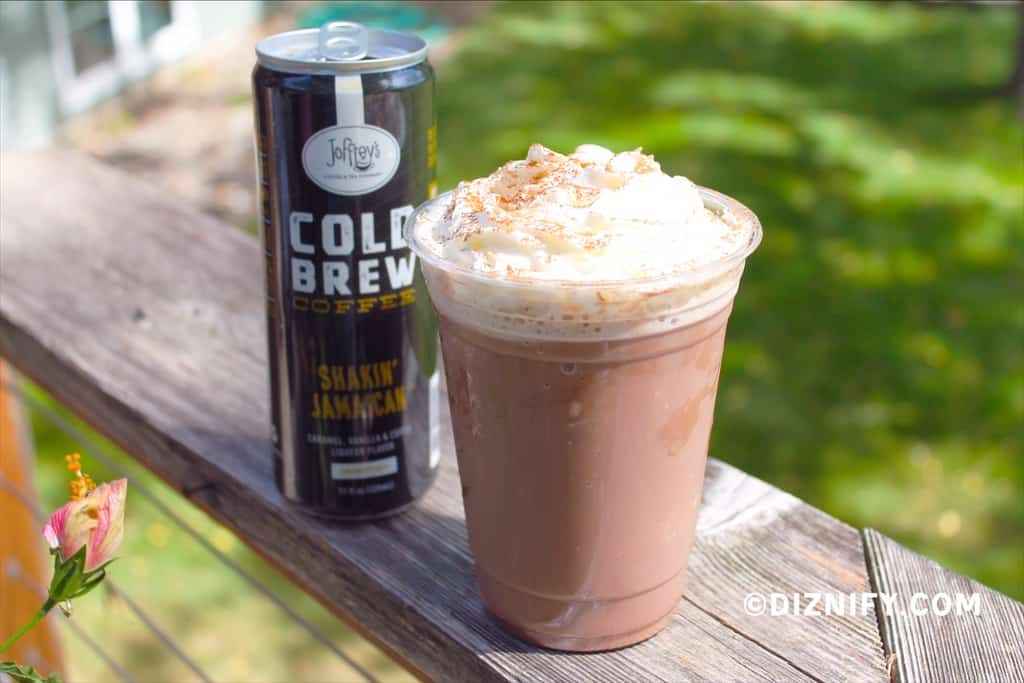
{"x": 23, "y": 555}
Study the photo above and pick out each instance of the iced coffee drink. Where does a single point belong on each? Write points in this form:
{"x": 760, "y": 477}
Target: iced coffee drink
{"x": 582, "y": 303}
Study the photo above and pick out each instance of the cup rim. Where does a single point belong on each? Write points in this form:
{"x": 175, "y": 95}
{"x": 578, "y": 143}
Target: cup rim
{"x": 715, "y": 201}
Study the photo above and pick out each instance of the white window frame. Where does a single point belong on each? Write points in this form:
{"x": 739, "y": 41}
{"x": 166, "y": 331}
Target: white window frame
{"x": 133, "y": 59}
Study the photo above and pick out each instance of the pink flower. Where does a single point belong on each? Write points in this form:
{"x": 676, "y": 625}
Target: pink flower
{"x": 96, "y": 522}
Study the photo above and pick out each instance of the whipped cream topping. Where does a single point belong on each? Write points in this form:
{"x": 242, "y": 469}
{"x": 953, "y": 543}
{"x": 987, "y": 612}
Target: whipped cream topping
{"x": 590, "y": 245}
{"x": 590, "y": 216}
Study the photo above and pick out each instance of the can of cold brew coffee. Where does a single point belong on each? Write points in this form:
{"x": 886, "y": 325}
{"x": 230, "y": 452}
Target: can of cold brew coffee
{"x": 346, "y": 137}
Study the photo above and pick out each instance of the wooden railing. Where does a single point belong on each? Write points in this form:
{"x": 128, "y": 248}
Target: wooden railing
{"x": 145, "y": 317}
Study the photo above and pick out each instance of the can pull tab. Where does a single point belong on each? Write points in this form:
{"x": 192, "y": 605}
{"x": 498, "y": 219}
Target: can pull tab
{"x": 343, "y": 41}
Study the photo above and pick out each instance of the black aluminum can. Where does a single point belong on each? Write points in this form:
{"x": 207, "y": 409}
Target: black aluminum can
{"x": 346, "y": 136}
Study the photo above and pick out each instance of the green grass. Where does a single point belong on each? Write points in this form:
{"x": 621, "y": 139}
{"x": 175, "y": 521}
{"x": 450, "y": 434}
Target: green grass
{"x": 875, "y": 359}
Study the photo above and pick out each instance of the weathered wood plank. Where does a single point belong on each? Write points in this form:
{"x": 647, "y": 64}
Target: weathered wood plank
{"x": 145, "y": 318}
{"x": 774, "y": 543}
{"x": 985, "y": 644}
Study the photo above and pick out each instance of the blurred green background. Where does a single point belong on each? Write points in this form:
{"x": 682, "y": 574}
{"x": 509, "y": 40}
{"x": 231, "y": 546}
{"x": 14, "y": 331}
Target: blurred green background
{"x": 875, "y": 359}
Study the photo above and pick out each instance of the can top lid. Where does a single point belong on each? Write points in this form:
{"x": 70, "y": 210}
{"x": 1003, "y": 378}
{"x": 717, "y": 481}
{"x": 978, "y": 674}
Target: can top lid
{"x": 340, "y": 47}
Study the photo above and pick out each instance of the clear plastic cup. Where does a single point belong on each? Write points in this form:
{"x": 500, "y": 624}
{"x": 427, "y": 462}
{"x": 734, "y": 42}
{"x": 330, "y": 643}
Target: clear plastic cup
{"x": 581, "y": 415}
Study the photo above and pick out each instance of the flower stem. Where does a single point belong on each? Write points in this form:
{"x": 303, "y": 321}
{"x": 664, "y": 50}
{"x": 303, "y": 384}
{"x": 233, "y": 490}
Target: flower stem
{"x": 47, "y": 606}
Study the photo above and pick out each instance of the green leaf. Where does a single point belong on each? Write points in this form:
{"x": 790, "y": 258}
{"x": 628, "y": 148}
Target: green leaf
{"x": 63, "y": 577}
{"x": 69, "y": 577}
{"x": 26, "y": 674}
{"x": 92, "y": 580}
{"x": 100, "y": 568}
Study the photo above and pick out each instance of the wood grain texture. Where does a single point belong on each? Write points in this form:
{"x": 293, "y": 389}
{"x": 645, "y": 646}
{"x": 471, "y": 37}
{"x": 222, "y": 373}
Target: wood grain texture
{"x": 983, "y": 645}
{"x": 145, "y": 317}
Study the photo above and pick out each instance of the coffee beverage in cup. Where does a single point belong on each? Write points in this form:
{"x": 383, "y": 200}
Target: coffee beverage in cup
{"x": 582, "y": 303}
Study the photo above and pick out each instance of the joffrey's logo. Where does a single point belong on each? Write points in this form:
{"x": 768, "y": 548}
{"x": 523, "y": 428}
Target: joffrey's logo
{"x": 351, "y": 160}
{"x": 355, "y": 156}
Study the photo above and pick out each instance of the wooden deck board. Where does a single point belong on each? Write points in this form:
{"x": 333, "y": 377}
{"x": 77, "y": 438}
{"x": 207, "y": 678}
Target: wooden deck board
{"x": 984, "y": 644}
{"x": 146, "y": 318}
